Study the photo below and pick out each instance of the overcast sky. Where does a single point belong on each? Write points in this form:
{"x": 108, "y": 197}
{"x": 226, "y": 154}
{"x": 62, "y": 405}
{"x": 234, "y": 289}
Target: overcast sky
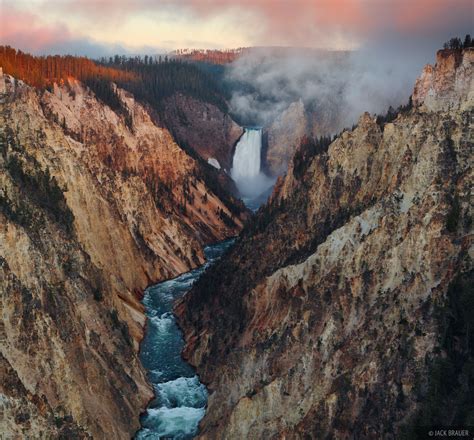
{"x": 100, "y": 27}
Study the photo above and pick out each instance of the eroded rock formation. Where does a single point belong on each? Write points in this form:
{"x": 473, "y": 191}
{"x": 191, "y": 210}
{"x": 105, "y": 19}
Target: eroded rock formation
{"x": 331, "y": 313}
{"x": 283, "y": 137}
{"x": 94, "y": 206}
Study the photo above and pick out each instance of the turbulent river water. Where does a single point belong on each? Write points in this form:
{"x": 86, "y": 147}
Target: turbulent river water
{"x": 180, "y": 399}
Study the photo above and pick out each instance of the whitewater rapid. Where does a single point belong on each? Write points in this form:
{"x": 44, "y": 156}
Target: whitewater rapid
{"x": 180, "y": 399}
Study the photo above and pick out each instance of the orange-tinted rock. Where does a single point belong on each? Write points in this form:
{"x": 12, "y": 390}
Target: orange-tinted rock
{"x": 69, "y": 292}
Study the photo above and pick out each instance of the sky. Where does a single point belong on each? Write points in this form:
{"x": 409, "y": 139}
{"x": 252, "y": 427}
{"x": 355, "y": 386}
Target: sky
{"x": 104, "y": 27}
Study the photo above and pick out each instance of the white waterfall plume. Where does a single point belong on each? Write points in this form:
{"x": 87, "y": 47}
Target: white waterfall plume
{"x": 246, "y": 172}
{"x": 246, "y": 162}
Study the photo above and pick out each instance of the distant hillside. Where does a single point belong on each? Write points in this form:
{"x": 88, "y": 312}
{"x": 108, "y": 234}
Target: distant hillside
{"x": 43, "y": 71}
{"x": 213, "y": 56}
{"x": 166, "y": 85}
{"x": 160, "y": 78}
{"x": 227, "y": 56}
{"x": 148, "y": 78}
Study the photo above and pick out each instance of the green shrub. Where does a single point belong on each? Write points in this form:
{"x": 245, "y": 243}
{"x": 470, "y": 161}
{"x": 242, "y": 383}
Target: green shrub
{"x": 308, "y": 148}
{"x": 21, "y": 214}
{"x": 121, "y": 326}
{"x": 98, "y": 296}
{"x": 448, "y": 398}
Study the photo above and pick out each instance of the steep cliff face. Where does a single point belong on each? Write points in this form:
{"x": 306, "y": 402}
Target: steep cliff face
{"x": 447, "y": 83}
{"x": 328, "y": 317}
{"x": 94, "y": 206}
{"x": 203, "y": 127}
{"x": 283, "y": 137}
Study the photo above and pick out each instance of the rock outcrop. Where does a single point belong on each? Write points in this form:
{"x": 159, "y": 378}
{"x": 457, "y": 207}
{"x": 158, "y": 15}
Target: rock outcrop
{"x": 447, "y": 84}
{"x": 343, "y": 311}
{"x": 94, "y": 206}
{"x": 282, "y": 138}
{"x": 203, "y": 127}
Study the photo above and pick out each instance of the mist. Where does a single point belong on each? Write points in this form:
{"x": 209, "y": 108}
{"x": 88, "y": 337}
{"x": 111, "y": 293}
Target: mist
{"x": 335, "y": 86}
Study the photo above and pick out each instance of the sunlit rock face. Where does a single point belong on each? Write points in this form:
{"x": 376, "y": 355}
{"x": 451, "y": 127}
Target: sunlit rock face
{"x": 447, "y": 84}
{"x": 326, "y": 318}
{"x": 94, "y": 206}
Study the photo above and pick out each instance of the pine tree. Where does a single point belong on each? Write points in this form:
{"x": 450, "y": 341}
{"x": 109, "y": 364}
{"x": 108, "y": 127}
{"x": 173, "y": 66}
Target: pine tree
{"x": 468, "y": 42}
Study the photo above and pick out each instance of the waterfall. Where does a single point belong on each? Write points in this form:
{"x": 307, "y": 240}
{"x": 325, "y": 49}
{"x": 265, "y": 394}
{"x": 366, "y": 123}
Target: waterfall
{"x": 246, "y": 162}
{"x": 248, "y": 177}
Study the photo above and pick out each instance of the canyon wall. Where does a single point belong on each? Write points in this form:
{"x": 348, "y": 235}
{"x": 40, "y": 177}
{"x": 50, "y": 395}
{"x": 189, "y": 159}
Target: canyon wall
{"x": 282, "y": 138}
{"x": 95, "y": 205}
{"x": 343, "y": 310}
{"x": 203, "y": 127}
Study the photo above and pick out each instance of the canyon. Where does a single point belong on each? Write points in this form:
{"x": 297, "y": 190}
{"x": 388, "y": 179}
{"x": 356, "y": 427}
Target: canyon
{"x": 340, "y": 308}
{"x": 204, "y": 127}
{"x": 354, "y": 309}
{"x": 94, "y": 207}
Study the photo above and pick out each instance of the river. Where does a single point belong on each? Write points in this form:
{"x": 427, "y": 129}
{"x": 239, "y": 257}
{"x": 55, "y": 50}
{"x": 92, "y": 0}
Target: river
{"x": 180, "y": 399}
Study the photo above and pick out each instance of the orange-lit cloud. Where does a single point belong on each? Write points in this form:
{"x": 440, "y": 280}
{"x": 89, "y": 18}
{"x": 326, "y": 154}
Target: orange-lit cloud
{"x": 25, "y": 29}
{"x": 40, "y": 24}
{"x": 429, "y": 14}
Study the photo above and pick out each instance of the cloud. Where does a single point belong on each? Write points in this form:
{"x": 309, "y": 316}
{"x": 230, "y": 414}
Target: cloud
{"x": 394, "y": 40}
{"x": 337, "y": 87}
{"x": 26, "y": 31}
{"x": 309, "y": 23}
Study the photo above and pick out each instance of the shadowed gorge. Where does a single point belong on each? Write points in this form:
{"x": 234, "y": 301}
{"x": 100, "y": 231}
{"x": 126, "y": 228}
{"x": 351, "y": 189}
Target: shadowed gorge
{"x": 180, "y": 399}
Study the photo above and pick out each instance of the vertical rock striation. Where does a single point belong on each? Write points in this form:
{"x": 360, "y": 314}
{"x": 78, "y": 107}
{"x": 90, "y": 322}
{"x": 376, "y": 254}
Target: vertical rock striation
{"x": 94, "y": 206}
{"x": 283, "y": 137}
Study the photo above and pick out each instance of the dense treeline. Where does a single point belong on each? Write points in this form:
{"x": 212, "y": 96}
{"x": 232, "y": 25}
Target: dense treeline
{"x": 43, "y": 71}
{"x": 105, "y": 91}
{"x": 392, "y": 113}
{"x": 457, "y": 44}
{"x": 212, "y": 56}
{"x": 309, "y": 147}
{"x": 160, "y": 78}
{"x": 43, "y": 189}
{"x": 37, "y": 188}
{"x": 447, "y": 399}
{"x": 151, "y": 79}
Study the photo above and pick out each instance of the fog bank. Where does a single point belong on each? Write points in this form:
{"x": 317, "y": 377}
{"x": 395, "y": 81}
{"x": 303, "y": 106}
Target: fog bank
{"x": 336, "y": 87}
